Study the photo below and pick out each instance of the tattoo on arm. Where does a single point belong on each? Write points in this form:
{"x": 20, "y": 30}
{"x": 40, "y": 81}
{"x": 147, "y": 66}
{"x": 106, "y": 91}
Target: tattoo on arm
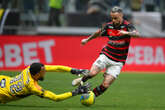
{"x": 94, "y": 35}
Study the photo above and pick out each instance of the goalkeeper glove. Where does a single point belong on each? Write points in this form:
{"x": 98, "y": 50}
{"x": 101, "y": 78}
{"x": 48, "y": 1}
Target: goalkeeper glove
{"x": 79, "y": 71}
{"x": 81, "y": 90}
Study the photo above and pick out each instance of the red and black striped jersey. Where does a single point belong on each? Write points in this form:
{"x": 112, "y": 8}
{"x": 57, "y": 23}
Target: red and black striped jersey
{"x": 118, "y": 45}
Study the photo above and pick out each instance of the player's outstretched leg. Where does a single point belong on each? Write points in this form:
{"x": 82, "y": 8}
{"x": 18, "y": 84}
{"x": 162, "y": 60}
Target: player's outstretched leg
{"x": 99, "y": 90}
{"x": 108, "y": 80}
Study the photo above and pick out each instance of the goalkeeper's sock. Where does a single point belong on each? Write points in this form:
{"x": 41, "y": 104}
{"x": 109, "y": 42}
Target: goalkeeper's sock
{"x": 99, "y": 90}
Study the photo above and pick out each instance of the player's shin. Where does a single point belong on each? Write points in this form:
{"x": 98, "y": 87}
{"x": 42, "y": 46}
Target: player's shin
{"x": 99, "y": 90}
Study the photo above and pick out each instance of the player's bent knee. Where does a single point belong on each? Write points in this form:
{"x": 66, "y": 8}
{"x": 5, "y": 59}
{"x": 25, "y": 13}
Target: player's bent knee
{"x": 106, "y": 85}
{"x": 108, "y": 80}
{"x": 93, "y": 73}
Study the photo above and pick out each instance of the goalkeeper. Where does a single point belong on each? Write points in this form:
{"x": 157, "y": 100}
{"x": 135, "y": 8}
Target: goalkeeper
{"x": 26, "y": 83}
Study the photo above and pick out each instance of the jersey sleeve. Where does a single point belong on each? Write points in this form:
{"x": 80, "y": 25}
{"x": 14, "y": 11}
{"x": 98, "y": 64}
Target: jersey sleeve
{"x": 57, "y": 68}
{"x": 52, "y": 96}
{"x": 35, "y": 89}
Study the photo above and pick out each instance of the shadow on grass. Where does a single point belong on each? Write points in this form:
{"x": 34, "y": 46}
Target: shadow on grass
{"x": 39, "y": 106}
{"x": 142, "y": 107}
{"x": 94, "y": 107}
{"x": 26, "y": 106}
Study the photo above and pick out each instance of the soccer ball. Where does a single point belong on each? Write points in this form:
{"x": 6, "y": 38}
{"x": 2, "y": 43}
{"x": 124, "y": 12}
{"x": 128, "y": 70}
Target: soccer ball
{"x": 87, "y": 99}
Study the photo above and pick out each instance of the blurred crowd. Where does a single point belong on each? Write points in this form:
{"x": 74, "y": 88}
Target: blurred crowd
{"x": 33, "y": 10}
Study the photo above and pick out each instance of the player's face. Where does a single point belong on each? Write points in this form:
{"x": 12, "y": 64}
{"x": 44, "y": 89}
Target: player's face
{"x": 117, "y": 18}
{"x": 42, "y": 74}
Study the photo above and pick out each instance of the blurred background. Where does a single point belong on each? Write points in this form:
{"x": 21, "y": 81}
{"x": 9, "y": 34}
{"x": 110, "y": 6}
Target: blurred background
{"x": 82, "y": 17}
{"x": 50, "y": 31}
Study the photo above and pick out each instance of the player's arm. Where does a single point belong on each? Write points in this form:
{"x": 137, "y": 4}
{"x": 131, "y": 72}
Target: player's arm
{"x": 99, "y": 32}
{"x": 93, "y": 36}
{"x": 57, "y": 68}
{"x": 134, "y": 33}
{"x": 131, "y": 31}
{"x": 60, "y": 68}
{"x": 52, "y": 96}
{"x": 37, "y": 90}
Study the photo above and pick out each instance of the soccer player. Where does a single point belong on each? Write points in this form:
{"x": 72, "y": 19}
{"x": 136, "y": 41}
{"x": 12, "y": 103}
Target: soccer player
{"x": 26, "y": 83}
{"x": 114, "y": 54}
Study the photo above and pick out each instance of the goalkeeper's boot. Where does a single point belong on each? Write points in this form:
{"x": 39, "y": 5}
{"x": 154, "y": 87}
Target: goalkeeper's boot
{"x": 77, "y": 81}
{"x": 81, "y": 90}
{"x": 79, "y": 71}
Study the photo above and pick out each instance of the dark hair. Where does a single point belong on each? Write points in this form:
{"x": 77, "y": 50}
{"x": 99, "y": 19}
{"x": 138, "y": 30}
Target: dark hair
{"x": 116, "y": 9}
{"x": 35, "y": 68}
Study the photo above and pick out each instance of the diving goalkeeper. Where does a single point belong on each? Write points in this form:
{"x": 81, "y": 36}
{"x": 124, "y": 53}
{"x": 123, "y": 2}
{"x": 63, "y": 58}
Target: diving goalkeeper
{"x": 26, "y": 83}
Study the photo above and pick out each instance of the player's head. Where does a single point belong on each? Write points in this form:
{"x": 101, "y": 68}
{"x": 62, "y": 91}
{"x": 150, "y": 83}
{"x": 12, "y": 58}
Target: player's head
{"x": 116, "y": 15}
{"x": 37, "y": 70}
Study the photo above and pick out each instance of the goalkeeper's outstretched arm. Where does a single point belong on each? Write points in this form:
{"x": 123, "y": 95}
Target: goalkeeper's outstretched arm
{"x": 60, "y": 97}
{"x": 57, "y": 68}
{"x": 37, "y": 90}
{"x": 60, "y": 68}
{"x": 52, "y": 96}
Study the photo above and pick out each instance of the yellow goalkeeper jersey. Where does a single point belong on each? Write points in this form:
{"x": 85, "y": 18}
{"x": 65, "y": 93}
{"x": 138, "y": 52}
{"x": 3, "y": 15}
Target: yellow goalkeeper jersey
{"x": 22, "y": 85}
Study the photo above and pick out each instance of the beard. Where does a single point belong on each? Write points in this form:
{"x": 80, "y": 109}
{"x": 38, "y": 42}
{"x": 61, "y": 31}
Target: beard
{"x": 116, "y": 24}
{"x": 41, "y": 78}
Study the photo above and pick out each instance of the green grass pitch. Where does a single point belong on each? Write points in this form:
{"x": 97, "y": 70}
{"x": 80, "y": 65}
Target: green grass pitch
{"x": 129, "y": 92}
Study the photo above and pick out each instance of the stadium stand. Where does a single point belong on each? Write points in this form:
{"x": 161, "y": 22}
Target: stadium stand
{"x": 34, "y": 18}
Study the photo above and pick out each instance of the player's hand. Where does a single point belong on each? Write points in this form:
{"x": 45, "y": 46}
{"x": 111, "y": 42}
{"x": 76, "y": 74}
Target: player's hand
{"x": 84, "y": 41}
{"x": 81, "y": 90}
{"x": 123, "y": 32}
{"x": 79, "y": 71}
